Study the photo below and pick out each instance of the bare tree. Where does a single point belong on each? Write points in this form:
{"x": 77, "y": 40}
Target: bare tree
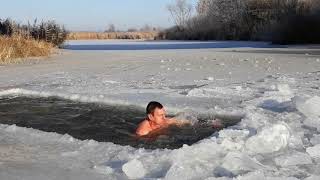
{"x": 203, "y": 6}
{"x": 180, "y": 12}
{"x": 225, "y": 10}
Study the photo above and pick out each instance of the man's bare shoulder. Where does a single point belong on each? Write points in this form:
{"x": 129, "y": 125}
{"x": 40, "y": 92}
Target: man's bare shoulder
{"x": 143, "y": 128}
{"x": 144, "y": 123}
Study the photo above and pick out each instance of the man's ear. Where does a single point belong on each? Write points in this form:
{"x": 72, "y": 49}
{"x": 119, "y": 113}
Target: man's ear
{"x": 150, "y": 116}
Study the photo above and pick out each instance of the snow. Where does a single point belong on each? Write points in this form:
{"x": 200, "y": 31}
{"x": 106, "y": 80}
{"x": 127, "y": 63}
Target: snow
{"x": 269, "y": 140}
{"x": 284, "y": 89}
{"x": 240, "y": 163}
{"x": 209, "y": 78}
{"x": 314, "y": 151}
{"x": 296, "y": 158}
{"x": 278, "y": 138}
{"x": 312, "y": 178}
{"x": 194, "y": 162}
{"x": 315, "y": 139}
{"x": 260, "y": 175}
{"x": 233, "y": 140}
{"x": 311, "y": 109}
{"x": 134, "y": 169}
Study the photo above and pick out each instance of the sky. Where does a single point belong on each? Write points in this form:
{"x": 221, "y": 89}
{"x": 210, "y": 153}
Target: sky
{"x": 91, "y": 15}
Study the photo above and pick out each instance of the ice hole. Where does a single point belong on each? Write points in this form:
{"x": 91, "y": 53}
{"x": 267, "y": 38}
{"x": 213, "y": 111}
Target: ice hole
{"x": 101, "y": 122}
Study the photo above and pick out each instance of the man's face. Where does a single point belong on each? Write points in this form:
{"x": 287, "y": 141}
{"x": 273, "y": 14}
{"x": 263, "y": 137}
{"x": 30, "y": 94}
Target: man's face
{"x": 158, "y": 116}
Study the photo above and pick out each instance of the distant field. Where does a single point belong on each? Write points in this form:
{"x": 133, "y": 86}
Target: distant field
{"x": 111, "y": 35}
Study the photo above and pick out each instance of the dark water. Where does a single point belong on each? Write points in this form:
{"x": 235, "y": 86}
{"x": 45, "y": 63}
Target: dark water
{"x": 104, "y": 123}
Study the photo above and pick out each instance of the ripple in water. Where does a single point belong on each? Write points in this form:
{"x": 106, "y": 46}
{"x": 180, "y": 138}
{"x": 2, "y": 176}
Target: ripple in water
{"x": 104, "y": 123}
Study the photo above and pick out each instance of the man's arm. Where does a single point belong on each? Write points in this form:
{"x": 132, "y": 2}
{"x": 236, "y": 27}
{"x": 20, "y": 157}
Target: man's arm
{"x": 141, "y": 132}
{"x": 182, "y": 122}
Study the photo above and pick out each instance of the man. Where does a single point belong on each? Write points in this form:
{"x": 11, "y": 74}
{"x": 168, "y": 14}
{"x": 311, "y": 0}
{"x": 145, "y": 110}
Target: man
{"x": 156, "y": 119}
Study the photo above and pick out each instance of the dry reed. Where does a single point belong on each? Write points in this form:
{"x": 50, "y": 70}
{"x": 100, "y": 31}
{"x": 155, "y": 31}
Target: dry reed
{"x": 16, "y": 48}
{"x": 112, "y": 35}
{"x": 49, "y": 31}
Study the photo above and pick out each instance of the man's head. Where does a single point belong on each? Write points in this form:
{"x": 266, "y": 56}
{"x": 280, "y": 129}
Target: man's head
{"x": 156, "y": 112}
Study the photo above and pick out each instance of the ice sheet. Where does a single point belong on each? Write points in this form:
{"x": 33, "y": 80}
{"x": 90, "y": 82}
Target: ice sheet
{"x": 278, "y": 94}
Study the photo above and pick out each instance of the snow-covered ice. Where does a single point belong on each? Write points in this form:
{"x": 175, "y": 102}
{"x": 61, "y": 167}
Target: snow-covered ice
{"x": 278, "y": 94}
{"x": 240, "y": 163}
{"x": 293, "y": 159}
{"x": 134, "y": 169}
{"x": 311, "y": 109}
{"x": 269, "y": 139}
{"x": 314, "y": 151}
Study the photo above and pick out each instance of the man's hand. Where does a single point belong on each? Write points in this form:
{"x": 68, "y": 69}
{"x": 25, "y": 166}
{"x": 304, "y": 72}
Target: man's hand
{"x": 216, "y": 123}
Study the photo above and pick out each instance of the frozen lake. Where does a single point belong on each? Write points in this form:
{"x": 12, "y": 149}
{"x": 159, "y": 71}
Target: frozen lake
{"x": 277, "y": 90}
{"x": 161, "y": 45}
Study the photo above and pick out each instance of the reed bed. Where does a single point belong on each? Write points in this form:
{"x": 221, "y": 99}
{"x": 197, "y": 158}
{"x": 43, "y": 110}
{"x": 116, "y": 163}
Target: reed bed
{"x": 112, "y": 35}
{"x": 18, "y": 41}
{"x": 14, "y": 49}
{"x": 49, "y": 31}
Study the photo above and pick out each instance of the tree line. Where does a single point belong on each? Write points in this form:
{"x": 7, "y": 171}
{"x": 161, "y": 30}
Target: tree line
{"x": 279, "y": 21}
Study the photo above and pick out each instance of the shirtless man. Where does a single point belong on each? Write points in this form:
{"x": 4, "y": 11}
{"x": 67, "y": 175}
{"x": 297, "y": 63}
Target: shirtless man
{"x": 156, "y": 119}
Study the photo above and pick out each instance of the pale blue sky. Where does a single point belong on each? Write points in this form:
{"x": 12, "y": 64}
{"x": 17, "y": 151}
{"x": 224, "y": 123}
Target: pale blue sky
{"x": 91, "y": 14}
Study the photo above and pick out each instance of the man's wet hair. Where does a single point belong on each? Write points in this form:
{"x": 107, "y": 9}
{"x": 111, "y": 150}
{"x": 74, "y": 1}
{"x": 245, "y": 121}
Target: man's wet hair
{"x": 152, "y": 106}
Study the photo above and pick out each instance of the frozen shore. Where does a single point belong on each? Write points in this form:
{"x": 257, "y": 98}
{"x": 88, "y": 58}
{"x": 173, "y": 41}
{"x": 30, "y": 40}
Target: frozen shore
{"x": 278, "y": 90}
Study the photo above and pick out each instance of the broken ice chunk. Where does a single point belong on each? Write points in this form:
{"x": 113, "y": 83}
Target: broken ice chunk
{"x": 134, "y": 169}
{"x": 311, "y": 109}
{"x": 209, "y": 78}
{"x": 314, "y": 151}
{"x": 297, "y": 158}
{"x": 240, "y": 163}
{"x": 270, "y": 139}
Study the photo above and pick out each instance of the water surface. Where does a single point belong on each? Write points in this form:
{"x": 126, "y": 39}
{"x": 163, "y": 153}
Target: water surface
{"x": 101, "y": 122}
